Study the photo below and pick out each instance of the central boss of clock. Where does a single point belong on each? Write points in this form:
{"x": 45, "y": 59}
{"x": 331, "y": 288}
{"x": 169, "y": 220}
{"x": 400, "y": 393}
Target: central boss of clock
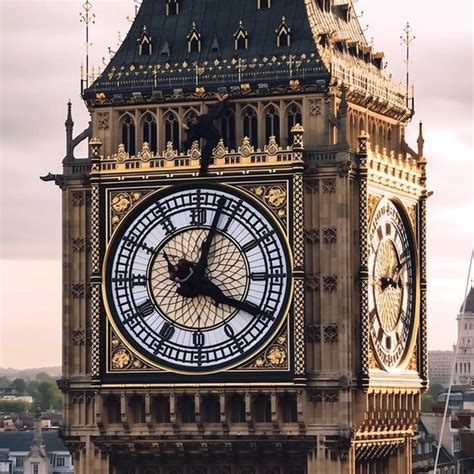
{"x": 198, "y": 279}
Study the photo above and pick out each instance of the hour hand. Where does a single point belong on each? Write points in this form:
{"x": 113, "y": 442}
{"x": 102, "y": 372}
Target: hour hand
{"x": 206, "y": 246}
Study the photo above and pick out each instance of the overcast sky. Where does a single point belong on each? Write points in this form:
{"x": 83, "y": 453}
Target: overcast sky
{"x": 42, "y": 47}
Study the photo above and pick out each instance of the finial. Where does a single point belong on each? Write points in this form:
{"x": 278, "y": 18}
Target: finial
{"x": 87, "y": 18}
{"x": 408, "y": 39}
{"x": 420, "y": 141}
{"x": 69, "y": 121}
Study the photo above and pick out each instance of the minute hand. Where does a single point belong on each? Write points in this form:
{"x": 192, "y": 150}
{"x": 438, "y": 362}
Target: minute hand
{"x": 206, "y": 246}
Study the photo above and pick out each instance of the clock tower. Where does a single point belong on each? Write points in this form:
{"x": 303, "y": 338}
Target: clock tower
{"x": 269, "y": 317}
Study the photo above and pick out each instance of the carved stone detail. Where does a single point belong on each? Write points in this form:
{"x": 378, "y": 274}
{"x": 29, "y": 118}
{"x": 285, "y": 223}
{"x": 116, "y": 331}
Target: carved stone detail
{"x": 312, "y": 282}
{"x": 94, "y": 331}
{"x": 78, "y": 337}
{"x": 78, "y": 290}
{"x": 313, "y": 333}
{"x": 311, "y": 185}
{"x": 78, "y": 244}
{"x": 78, "y": 198}
{"x": 275, "y": 196}
{"x": 331, "y": 333}
{"x": 372, "y": 204}
{"x": 298, "y": 222}
{"x": 329, "y": 235}
{"x": 312, "y": 236}
{"x": 103, "y": 120}
{"x": 299, "y": 325}
{"x": 315, "y": 107}
{"x": 330, "y": 283}
{"x": 121, "y": 202}
{"x": 275, "y": 357}
{"x": 329, "y": 186}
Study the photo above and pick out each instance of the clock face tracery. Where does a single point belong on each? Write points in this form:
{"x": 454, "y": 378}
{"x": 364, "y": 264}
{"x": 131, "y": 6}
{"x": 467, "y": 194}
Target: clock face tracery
{"x": 392, "y": 285}
{"x": 197, "y": 280}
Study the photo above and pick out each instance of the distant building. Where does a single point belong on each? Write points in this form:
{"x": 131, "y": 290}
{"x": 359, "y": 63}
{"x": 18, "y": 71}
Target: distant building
{"x": 440, "y": 364}
{"x": 27, "y": 452}
{"x": 464, "y": 366}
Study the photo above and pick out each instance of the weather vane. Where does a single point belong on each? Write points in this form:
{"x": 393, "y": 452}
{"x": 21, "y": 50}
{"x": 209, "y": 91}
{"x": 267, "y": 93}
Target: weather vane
{"x": 408, "y": 39}
{"x": 87, "y": 18}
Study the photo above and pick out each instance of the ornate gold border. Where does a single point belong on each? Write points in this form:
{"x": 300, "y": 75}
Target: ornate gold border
{"x": 284, "y": 320}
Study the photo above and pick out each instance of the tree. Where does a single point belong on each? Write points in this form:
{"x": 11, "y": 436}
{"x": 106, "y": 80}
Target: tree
{"x": 20, "y": 386}
{"x": 4, "y": 382}
{"x": 14, "y": 406}
{"x": 43, "y": 376}
{"x": 48, "y": 396}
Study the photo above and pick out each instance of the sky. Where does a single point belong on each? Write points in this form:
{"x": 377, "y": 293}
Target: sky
{"x": 42, "y": 46}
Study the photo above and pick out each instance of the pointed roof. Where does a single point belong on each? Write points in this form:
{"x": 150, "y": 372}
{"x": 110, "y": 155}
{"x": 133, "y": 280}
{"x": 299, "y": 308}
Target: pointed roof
{"x": 324, "y": 44}
{"x": 469, "y": 302}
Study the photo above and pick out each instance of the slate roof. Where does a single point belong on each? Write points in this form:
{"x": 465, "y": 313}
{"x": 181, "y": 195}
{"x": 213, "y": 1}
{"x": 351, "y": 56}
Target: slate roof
{"x": 21, "y": 441}
{"x": 469, "y": 302}
{"x": 216, "y": 21}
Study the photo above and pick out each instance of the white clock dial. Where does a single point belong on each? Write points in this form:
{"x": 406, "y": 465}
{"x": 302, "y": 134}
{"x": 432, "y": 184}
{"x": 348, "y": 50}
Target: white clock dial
{"x": 392, "y": 284}
{"x": 198, "y": 279}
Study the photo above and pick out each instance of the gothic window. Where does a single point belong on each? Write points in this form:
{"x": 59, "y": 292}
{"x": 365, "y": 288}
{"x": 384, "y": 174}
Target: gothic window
{"x": 241, "y": 38}
{"x": 228, "y": 129}
{"x": 112, "y": 409}
{"x": 237, "y": 409}
{"x": 283, "y": 34}
{"x": 389, "y": 138}
{"x": 288, "y": 409}
{"x": 194, "y": 40}
{"x": 145, "y": 47}
{"x": 262, "y": 410}
{"x": 293, "y": 117}
{"x": 215, "y": 48}
{"x": 137, "y": 407}
{"x": 150, "y": 132}
{"x": 250, "y": 122}
{"x": 172, "y": 130}
{"x": 165, "y": 51}
{"x": 128, "y": 134}
{"x": 172, "y": 7}
{"x": 264, "y": 4}
{"x": 161, "y": 409}
{"x": 186, "y": 412}
{"x": 272, "y": 124}
{"x": 210, "y": 409}
{"x": 325, "y": 5}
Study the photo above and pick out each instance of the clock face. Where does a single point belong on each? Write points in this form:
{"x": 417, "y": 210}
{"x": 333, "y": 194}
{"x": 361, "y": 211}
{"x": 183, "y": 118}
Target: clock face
{"x": 392, "y": 284}
{"x": 197, "y": 279}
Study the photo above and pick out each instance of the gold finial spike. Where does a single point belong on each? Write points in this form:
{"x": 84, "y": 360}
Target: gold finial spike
{"x": 408, "y": 39}
{"x": 87, "y": 17}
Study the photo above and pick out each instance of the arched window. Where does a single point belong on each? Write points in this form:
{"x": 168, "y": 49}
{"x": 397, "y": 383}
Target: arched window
{"x": 150, "y": 132}
{"x": 186, "y": 413}
{"x": 228, "y": 129}
{"x": 288, "y": 409}
{"x": 145, "y": 47}
{"x": 112, "y": 409}
{"x": 237, "y": 409}
{"x": 293, "y": 117}
{"x": 172, "y": 7}
{"x": 128, "y": 135}
{"x": 137, "y": 407}
{"x": 272, "y": 123}
{"x": 241, "y": 37}
{"x": 264, "y": 4}
{"x": 210, "y": 409}
{"x": 262, "y": 410}
{"x": 194, "y": 40}
{"x": 172, "y": 130}
{"x": 161, "y": 409}
{"x": 283, "y": 34}
{"x": 250, "y": 123}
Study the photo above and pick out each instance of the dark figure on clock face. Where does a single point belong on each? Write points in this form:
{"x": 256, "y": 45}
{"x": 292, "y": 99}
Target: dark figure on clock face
{"x": 193, "y": 282}
{"x": 202, "y": 126}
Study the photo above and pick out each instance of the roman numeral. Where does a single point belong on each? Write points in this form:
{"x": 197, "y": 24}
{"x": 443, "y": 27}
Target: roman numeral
{"x": 254, "y": 243}
{"x": 132, "y": 241}
{"x": 262, "y": 276}
{"x": 135, "y": 280}
{"x": 167, "y": 331}
{"x": 198, "y": 339}
{"x": 146, "y": 309}
{"x": 164, "y": 220}
{"x": 198, "y": 216}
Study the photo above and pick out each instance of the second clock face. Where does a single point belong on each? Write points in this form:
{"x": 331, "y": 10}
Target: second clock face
{"x": 392, "y": 280}
{"x": 198, "y": 279}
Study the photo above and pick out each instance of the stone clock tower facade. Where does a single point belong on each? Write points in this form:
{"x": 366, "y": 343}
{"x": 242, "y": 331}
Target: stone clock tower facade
{"x": 310, "y": 227}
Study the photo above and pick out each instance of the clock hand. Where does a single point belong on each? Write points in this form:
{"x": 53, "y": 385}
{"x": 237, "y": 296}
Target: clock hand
{"x": 206, "y": 246}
